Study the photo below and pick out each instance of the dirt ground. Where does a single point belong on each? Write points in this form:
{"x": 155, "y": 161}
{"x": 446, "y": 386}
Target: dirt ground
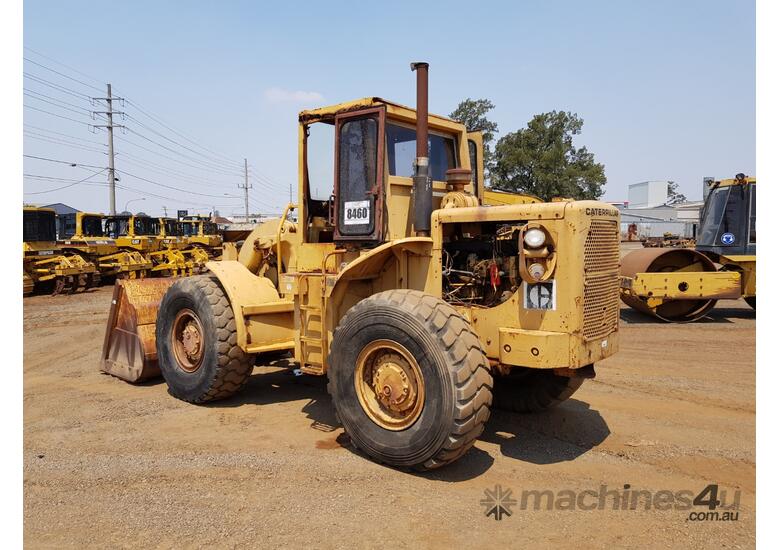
{"x": 108, "y": 464}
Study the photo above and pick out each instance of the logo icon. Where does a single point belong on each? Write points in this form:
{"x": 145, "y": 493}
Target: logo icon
{"x": 727, "y": 238}
{"x": 539, "y": 295}
{"x": 498, "y": 502}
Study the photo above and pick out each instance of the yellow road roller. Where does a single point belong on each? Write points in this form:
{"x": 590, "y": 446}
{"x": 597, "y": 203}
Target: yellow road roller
{"x": 681, "y": 285}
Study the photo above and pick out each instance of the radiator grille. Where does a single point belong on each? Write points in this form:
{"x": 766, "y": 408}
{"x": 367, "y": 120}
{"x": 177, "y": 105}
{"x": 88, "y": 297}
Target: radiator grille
{"x": 602, "y": 261}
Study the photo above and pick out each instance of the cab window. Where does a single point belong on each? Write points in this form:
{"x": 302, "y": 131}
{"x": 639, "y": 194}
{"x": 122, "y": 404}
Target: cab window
{"x": 357, "y": 175}
{"x": 402, "y": 150}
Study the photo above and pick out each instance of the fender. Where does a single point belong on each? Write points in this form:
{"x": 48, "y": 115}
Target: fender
{"x": 371, "y": 264}
{"x": 264, "y": 321}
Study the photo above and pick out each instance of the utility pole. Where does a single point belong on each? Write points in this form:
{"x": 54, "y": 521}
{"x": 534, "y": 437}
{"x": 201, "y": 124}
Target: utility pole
{"x": 165, "y": 211}
{"x": 291, "y": 193}
{"x": 246, "y": 187}
{"x": 109, "y": 112}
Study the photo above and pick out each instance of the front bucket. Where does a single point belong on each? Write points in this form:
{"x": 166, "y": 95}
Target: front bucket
{"x": 129, "y": 347}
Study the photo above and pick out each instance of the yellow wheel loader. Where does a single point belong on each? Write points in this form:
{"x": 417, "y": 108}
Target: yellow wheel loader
{"x": 45, "y": 266}
{"x": 421, "y": 305}
{"x": 83, "y": 233}
{"x": 682, "y": 284}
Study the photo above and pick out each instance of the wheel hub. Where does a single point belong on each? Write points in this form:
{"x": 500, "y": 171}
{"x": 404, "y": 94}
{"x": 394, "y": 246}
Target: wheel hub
{"x": 187, "y": 341}
{"x": 191, "y": 340}
{"x": 392, "y": 384}
{"x": 389, "y": 385}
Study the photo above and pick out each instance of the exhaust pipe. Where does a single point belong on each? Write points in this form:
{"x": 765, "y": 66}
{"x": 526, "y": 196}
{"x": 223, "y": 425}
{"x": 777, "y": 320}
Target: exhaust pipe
{"x": 423, "y": 189}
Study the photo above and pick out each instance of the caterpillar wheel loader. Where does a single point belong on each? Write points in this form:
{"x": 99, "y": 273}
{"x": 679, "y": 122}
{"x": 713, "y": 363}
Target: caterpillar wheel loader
{"x": 45, "y": 265}
{"x": 682, "y": 285}
{"x": 422, "y": 307}
{"x": 83, "y": 233}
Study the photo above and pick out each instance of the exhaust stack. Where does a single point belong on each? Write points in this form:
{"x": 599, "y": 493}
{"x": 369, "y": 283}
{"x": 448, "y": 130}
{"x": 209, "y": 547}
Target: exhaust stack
{"x": 423, "y": 189}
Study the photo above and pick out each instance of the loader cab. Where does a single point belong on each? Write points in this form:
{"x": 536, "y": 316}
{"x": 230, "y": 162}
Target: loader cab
{"x": 170, "y": 231}
{"x": 80, "y": 225}
{"x": 39, "y": 225}
{"x": 728, "y": 220}
{"x": 357, "y": 162}
{"x": 133, "y": 231}
{"x": 200, "y": 230}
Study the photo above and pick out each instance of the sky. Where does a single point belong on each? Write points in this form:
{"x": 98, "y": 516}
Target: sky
{"x": 666, "y": 89}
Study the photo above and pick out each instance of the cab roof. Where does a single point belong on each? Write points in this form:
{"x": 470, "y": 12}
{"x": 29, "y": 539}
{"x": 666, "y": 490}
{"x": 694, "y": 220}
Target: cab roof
{"x": 327, "y": 114}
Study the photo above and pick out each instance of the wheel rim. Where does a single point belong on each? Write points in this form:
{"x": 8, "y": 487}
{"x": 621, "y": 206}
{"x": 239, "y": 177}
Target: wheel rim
{"x": 389, "y": 385}
{"x": 187, "y": 341}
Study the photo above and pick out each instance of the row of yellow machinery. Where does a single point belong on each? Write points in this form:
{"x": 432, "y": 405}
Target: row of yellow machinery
{"x": 92, "y": 247}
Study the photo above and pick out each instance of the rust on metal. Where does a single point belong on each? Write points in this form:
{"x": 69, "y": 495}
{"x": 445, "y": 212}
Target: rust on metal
{"x": 129, "y": 347}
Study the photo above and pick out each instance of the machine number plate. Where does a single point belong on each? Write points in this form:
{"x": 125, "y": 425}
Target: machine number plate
{"x": 356, "y": 212}
{"x": 539, "y": 295}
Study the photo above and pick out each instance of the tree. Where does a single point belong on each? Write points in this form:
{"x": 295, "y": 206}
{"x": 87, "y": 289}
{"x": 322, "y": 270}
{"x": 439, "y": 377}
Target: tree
{"x": 472, "y": 113}
{"x": 673, "y": 196}
{"x": 541, "y": 159}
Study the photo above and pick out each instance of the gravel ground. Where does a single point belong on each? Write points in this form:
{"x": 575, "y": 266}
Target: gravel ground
{"x": 108, "y": 464}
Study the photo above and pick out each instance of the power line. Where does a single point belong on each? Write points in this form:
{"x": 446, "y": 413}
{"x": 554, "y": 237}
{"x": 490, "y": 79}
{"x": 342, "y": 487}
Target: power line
{"x": 189, "y": 191}
{"x": 194, "y": 180}
{"x": 62, "y": 64}
{"x": 214, "y": 168}
{"x": 29, "y": 91}
{"x": 46, "y": 139}
{"x": 148, "y": 194}
{"x": 212, "y": 159}
{"x": 64, "y": 186}
{"x": 62, "y": 74}
{"x": 55, "y": 86}
{"x": 63, "y": 162}
{"x": 55, "y": 114}
{"x": 86, "y": 111}
{"x": 161, "y": 123}
{"x": 125, "y": 140}
{"x": 46, "y": 130}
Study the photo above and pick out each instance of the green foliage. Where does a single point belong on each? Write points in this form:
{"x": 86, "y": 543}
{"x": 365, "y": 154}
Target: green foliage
{"x": 673, "y": 195}
{"x": 473, "y": 114}
{"x": 541, "y": 159}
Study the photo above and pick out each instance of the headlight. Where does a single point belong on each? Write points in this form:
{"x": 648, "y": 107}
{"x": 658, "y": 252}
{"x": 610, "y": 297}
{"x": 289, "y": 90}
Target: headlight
{"x": 534, "y": 238}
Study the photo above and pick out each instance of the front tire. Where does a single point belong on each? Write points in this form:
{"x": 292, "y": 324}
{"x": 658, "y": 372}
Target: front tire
{"x": 196, "y": 342}
{"x": 409, "y": 380}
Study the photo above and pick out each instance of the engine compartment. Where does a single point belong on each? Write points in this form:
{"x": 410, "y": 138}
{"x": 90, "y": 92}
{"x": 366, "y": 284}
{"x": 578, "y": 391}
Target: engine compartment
{"x": 480, "y": 263}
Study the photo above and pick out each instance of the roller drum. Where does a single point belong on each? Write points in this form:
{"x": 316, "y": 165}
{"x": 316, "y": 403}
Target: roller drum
{"x": 665, "y": 260}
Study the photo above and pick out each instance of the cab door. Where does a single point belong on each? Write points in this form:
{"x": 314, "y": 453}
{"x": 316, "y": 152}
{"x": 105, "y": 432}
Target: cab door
{"x": 359, "y": 178}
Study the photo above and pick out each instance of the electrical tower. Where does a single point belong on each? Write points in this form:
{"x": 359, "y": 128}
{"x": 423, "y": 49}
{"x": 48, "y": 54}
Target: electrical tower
{"x": 110, "y": 112}
{"x": 246, "y": 187}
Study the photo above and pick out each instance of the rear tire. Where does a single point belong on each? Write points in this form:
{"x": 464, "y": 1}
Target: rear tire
{"x": 426, "y": 350}
{"x": 532, "y": 390}
{"x": 197, "y": 344}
